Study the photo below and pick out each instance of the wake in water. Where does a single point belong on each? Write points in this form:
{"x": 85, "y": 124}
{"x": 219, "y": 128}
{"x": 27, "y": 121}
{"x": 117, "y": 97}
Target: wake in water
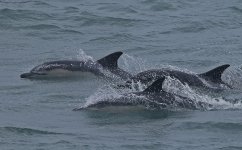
{"x": 197, "y": 98}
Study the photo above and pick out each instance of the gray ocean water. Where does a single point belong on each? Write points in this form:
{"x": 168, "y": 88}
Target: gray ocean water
{"x": 185, "y": 34}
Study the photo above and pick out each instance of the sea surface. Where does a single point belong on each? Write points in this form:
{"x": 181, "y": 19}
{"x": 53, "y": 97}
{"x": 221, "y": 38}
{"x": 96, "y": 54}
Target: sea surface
{"x": 190, "y": 35}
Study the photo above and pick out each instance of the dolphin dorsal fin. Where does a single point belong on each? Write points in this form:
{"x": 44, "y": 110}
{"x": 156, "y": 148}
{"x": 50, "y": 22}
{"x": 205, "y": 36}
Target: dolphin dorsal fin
{"x": 111, "y": 60}
{"x": 215, "y": 75}
{"x": 155, "y": 86}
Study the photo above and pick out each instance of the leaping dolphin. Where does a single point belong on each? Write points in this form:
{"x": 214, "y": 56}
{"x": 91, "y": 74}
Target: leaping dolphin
{"x": 153, "y": 97}
{"x": 108, "y": 63}
{"x": 212, "y": 77}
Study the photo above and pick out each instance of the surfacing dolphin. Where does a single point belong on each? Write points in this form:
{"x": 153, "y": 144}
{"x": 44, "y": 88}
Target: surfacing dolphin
{"x": 212, "y": 77}
{"x": 152, "y": 97}
{"x": 108, "y": 63}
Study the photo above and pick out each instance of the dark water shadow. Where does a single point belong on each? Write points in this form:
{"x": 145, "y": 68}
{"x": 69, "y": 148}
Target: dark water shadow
{"x": 128, "y": 115}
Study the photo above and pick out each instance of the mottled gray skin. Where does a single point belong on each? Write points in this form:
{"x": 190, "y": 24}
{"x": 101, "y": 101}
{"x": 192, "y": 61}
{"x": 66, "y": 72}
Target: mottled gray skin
{"x": 153, "y": 97}
{"x": 98, "y": 68}
{"x": 212, "y": 77}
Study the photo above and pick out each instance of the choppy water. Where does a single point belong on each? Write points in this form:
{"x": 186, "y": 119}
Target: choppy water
{"x": 188, "y": 35}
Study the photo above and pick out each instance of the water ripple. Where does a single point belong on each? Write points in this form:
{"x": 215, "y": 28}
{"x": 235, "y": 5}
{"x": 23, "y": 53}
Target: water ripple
{"x": 231, "y": 148}
{"x": 42, "y": 27}
{"x": 20, "y": 14}
{"x": 115, "y": 38}
{"x": 236, "y": 9}
{"x": 213, "y": 125}
{"x": 25, "y": 131}
{"x": 31, "y": 3}
{"x": 193, "y": 27}
{"x": 71, "y": 9}
{"x": 162, "y": 6}
{"x": 118, "y": 8}
{"x": 89, "y": 19}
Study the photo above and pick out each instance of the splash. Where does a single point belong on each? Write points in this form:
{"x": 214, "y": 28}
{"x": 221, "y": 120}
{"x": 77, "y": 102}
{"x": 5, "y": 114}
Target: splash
{"x": 108, "y": 93}
{"x": 171, "y": 85}
{"x": 233, "y": 77}
{"x": 103, "y": 93}
{"x": 81, "y": 55}
{"x": 133, "y": 64}
{"x": 174, "y": 86}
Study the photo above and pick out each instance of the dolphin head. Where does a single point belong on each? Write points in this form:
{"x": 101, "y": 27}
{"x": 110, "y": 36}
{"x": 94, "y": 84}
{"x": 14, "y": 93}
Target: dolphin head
{"x": 26, "y": 75}
{"x": 37, "y": 71}
{"x": 62, "y": 68}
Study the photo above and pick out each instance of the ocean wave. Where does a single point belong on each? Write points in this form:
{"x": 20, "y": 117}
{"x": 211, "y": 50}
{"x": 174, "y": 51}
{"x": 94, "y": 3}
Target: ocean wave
{"x": 192, "y": 27}
{"x": 25, "y": 15}
{"x": 118, "y": 8}
{"x": 42, "y": 27}
{"x": 14, "y": 1}
{"x": 89, "y": 19}
{"x": 212, "y": 125}
{"x": 231, "y": 148}
{"x": 114, "y": 38}
{"x": 236, "y": 9}
{"x": 25, "y": 131}
{"x": 39, "y": 30}
{"x": 71, "y": 9}
{"x": 30, "y": 2}
{"x": 71, "y": 31}
{"x": 162, "y": 6}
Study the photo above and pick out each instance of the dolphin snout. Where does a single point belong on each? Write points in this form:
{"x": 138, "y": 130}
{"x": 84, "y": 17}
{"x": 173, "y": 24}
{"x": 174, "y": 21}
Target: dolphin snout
{"x": 26, "y": 75}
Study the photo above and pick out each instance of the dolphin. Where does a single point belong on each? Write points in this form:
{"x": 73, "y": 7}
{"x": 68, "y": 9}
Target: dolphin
{"x": 152, "y": 97}
{"x": 100, "y": 67}
{"x": 211, "y": 78}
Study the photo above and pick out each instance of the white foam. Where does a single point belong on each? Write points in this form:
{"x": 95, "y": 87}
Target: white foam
{"x": 81, "y": 55}
{"x": 103, "y": 93}
{"x": 132, "y": 64}
{"x": 233, "y": 77}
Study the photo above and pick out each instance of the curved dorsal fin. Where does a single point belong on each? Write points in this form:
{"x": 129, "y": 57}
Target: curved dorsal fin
{"x": 111, "y": 60}
{"x": 214, "y": 75}
{"x": 155, "y": 86}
